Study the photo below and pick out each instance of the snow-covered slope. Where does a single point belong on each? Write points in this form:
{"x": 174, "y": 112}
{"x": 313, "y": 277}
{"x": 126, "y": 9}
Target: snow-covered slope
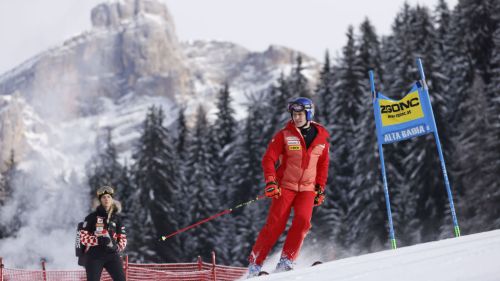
{"x": 472, "y": 258}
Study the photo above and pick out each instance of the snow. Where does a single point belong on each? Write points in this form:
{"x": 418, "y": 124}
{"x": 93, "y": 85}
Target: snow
{"x": 471, "y": 257}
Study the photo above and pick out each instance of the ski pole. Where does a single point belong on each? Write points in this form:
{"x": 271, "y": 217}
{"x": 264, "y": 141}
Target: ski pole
{"x": 227, "y": 211}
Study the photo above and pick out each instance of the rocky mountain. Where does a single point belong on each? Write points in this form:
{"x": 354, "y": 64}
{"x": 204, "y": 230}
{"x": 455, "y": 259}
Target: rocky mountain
{"x": 133, "y": 50}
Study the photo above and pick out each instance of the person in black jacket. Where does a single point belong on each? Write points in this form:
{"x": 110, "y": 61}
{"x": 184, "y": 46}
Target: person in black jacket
{"x": 104, "y": 237}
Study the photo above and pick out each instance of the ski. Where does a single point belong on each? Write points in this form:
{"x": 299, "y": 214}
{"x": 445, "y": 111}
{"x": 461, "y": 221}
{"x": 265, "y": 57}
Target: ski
{"x": 263, "y": 272}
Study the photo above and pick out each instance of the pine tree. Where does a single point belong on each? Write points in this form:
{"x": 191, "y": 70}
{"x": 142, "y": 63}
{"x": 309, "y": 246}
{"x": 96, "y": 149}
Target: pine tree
{"x": 155, "y": 199}
{"x": 478, "y": 24}
{"x": 6, "y": 193}
{"x": 370, "y": 52}
{"x": 398, "y": 56}
{"x": 422, "y": 167}
{"x": 6, "y": 180}
{"x": 324, "y": 94}
{"x": 104, "y": 169}
{"x": 369, "y": 231}
{"x": 462, "y": 78}
{"x": 480, "y": 147}
{"x": 441, "y": 95}
{"x": 299, "y": 86}
{"x": 202, "y": 189}
{"x": 181, "y": 134}
{"x": 275, "y": 110}
{"x": 225, "y": 124}
{"x": 491, "y": 158}
{"x": 246, "y": 182}
{"x": 412, "y": 37}
{"x": 470, "y": 145}
{"x": 461, "y": 75}
{"x": 286, "y": 88}
{"x": 223, "y": 136}
{"x": 182, "y": 140}
{"x": 127, "y": 191}
{"x": 346, "y": 108}
{"x": 324, "y": 218}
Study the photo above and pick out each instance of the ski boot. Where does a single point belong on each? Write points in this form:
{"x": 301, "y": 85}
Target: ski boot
{"x": 253, "y": 270}
{"x": 284, "y": 265}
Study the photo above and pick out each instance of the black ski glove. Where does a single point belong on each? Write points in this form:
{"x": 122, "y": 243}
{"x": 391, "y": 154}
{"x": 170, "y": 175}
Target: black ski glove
{"x": 103, "y": 240}
{"x": 112, "y": 248}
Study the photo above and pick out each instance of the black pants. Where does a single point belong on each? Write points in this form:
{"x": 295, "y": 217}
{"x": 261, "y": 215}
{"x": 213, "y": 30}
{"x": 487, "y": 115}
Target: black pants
{"x": 112, "y": 264}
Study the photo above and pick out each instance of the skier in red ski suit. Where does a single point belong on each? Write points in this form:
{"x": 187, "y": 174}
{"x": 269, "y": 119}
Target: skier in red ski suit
{"x": 302, "y": 151}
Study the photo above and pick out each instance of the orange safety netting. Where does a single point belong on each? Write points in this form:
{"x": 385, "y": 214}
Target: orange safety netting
{"x": 199, "y": 271}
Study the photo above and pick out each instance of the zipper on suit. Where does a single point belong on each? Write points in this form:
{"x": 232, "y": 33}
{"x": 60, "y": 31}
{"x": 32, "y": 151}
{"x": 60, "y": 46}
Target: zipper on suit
{"x": 304, "y": 169}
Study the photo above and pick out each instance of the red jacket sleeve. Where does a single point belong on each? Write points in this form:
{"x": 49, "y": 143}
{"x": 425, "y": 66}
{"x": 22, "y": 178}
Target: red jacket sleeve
{"x": 322, "y": 168}
{"x": 273, "y": 152}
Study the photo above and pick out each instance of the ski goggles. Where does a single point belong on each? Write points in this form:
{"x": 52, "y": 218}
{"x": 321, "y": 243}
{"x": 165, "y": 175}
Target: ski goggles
{"x": 298, "y": 107}
{"x": 105, "y": 190}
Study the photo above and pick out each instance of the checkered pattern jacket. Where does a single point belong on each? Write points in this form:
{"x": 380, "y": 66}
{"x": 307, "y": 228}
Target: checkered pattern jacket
{"x": 98, "y": 221}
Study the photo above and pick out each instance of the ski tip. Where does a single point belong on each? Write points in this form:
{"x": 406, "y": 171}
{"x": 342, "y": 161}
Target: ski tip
{"x": 262, "y": 273}
{"x": 316, "y": 263}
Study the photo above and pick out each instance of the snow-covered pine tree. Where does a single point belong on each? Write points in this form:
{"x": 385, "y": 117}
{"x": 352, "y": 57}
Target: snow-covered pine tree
{"x": 470, "y": 25}
{"x": 422, "y": 168}
{"x": 225, "y": 124}
{"x": 275, "y": 111}
{"x": 324, "y": 94}
{"x": 348, "y": 92}
{"x": 441, "y": 96}
{"x": 18, "y": 197}
{"x": 156, "y": 177}
{"x": 399, "y": 62}
{"x": 461, "y": 69}
{"x": 460, "y": 87}
{"x": 299, "y": 85}
{"x": 479, "y": 24}
{"x": 325, "y": 216}
{"x": 202, "y": 193}
{"x": 181, "y": 134}
{"x": 127, "y": 190}
{"x": 246, "y": 179}
{"x": 224, "y": 132}
{"x": 286, "y": 88}
{"x": 479, "y": 147}
{"x": 370, "y": 53}
{"x": 6, "y": 179}
{"x": 470, "y": 146}
{"x": 6, "y": 192}
{"x": 104, "y": 168}
{"x": 491, "y": 159}
{"x": 369, "y": 231}
{"x": 398, "y": 56}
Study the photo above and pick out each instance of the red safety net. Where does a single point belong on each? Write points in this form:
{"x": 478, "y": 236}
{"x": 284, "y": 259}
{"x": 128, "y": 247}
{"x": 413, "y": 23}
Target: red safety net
{"x": 199, "y": 271}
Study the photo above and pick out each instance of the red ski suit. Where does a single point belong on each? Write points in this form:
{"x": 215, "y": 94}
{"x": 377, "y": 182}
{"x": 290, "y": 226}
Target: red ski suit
{"x": 299, "y": 170}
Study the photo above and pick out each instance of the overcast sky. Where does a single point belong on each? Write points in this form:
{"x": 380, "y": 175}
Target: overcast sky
{"x": 28, "y": 27}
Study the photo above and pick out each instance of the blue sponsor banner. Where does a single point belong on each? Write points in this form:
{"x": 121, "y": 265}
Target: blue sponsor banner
{"x": 398, "y": 120}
